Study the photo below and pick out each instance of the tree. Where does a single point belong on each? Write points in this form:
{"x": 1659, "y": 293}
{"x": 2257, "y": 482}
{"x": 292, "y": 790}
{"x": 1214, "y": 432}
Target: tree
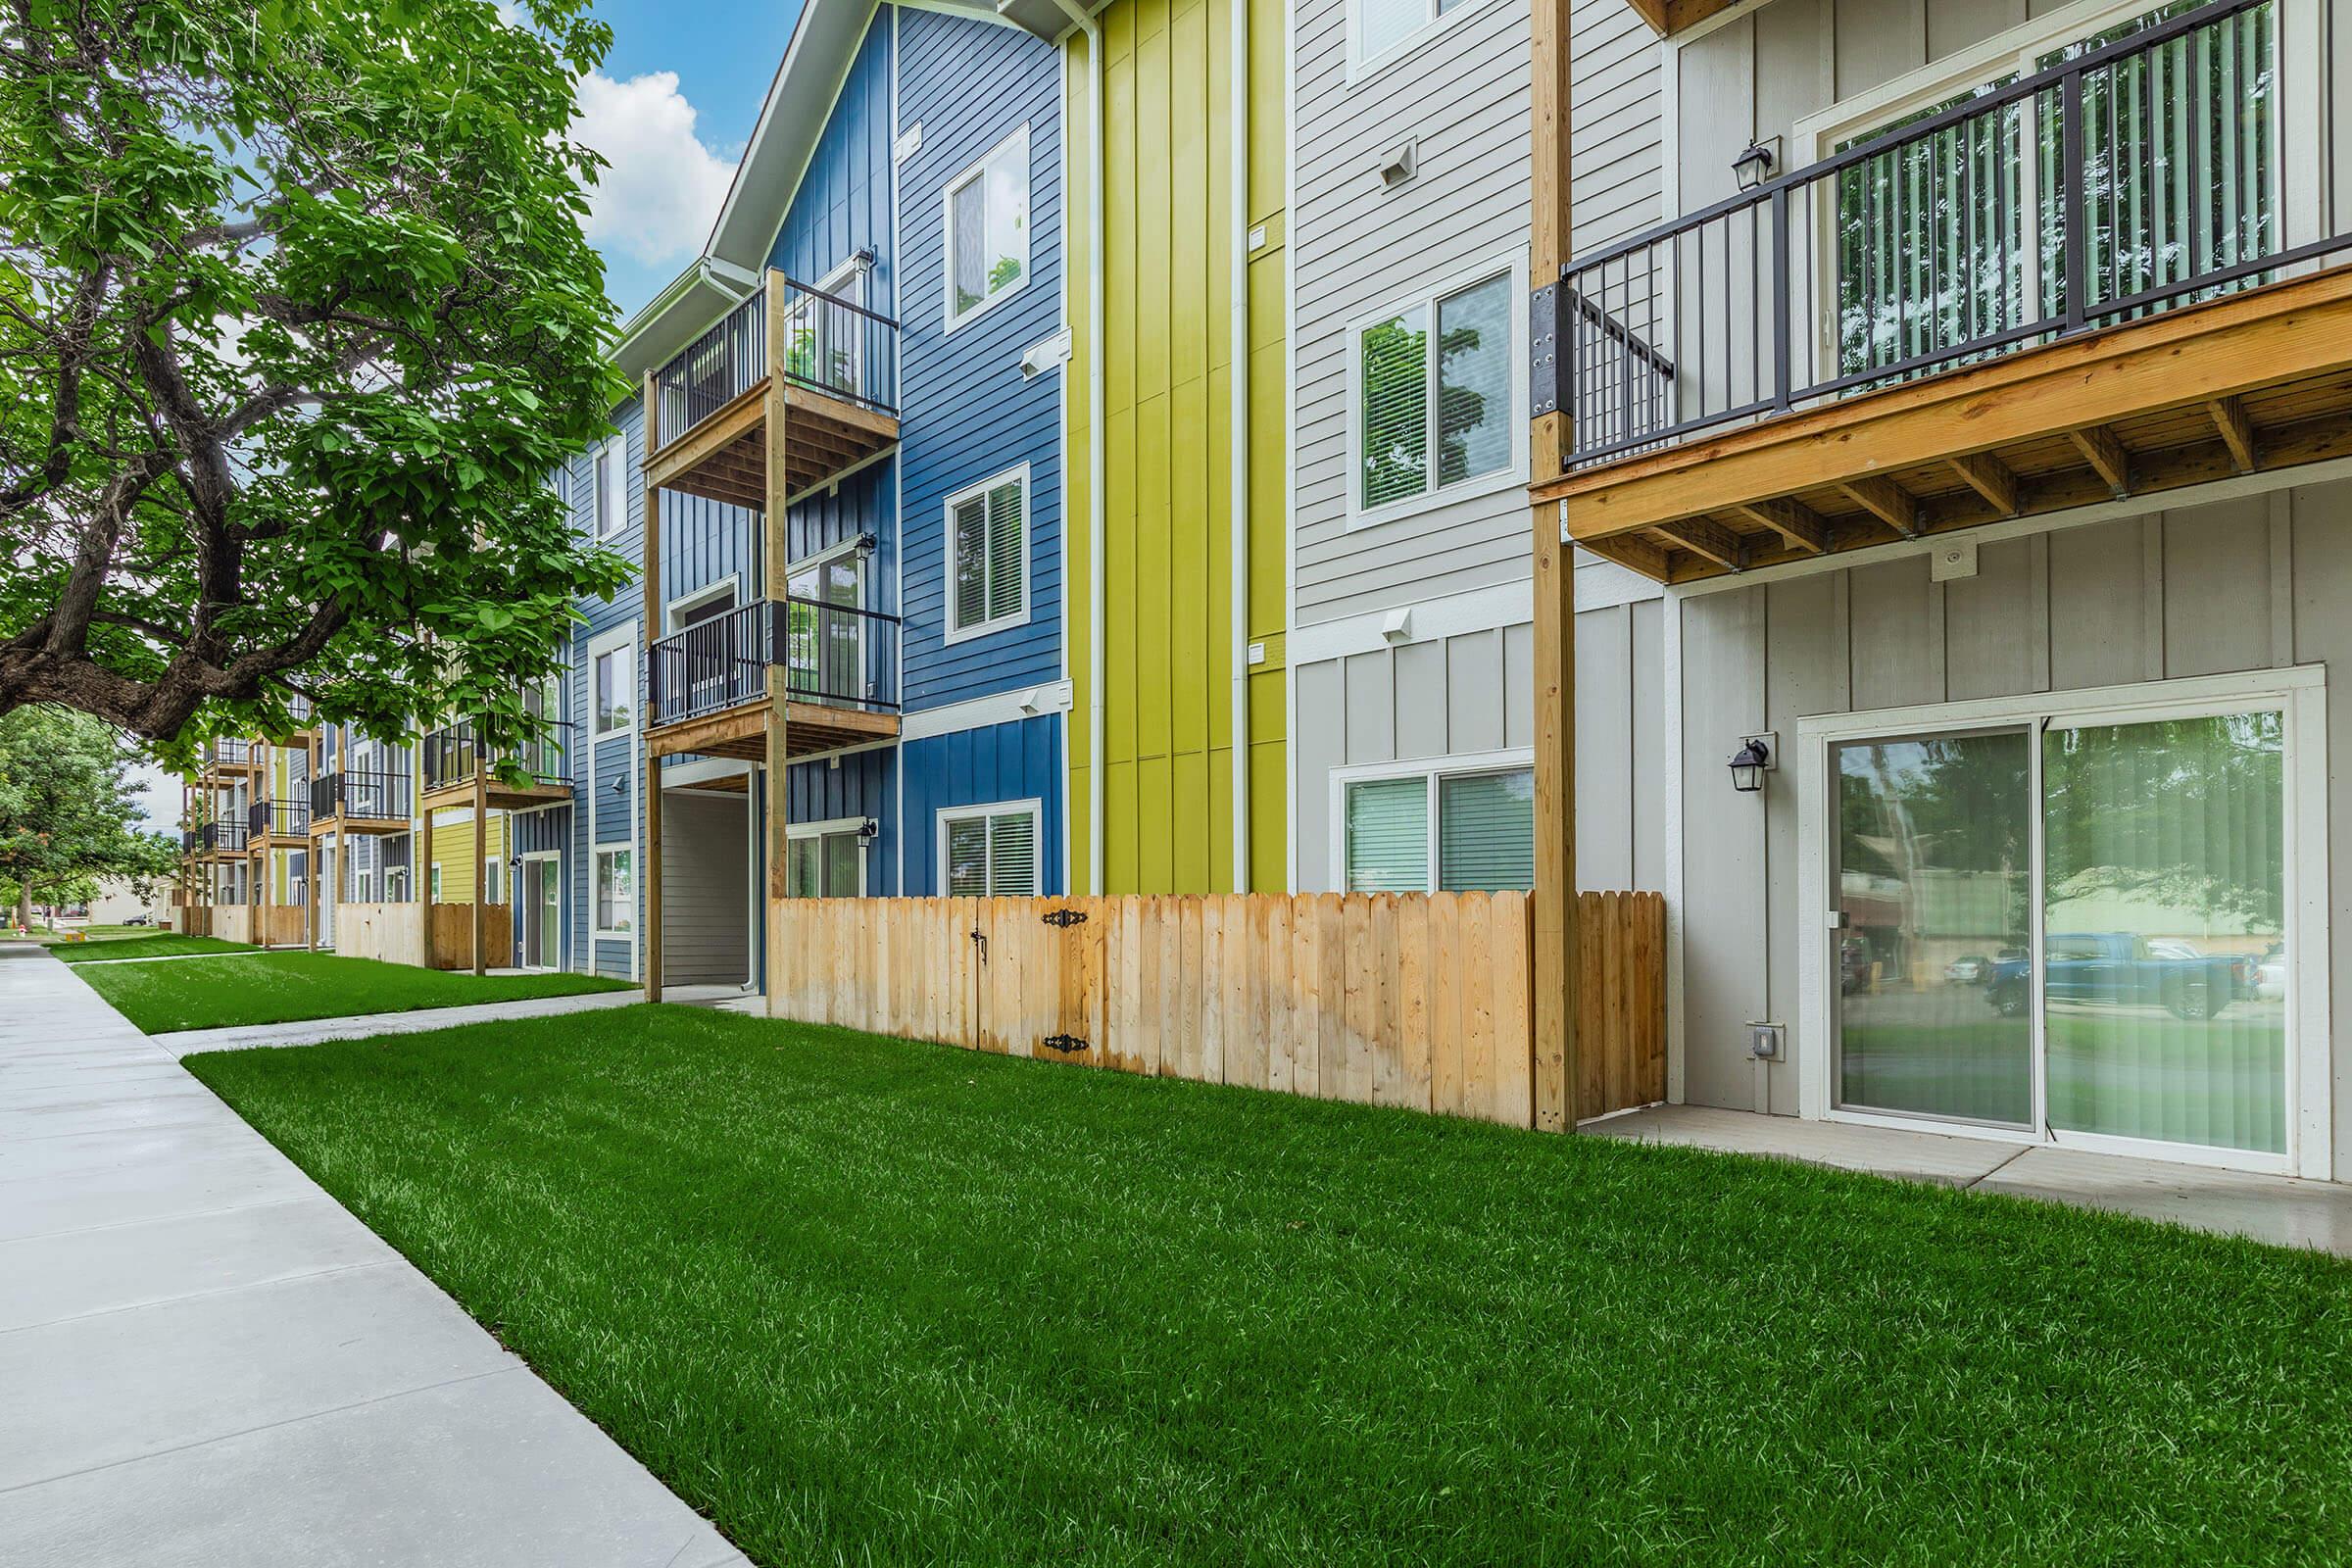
{"x": 296, "y": 319}
{"x": 67, "y": 812}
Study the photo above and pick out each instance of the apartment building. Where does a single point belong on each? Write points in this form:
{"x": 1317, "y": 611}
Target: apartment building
{"x": 1970, "y": 378}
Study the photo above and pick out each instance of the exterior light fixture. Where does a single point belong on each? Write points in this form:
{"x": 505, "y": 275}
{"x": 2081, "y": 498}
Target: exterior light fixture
{"x": 1748, "y": 765}
{"x": 1753, "y": 167}
{"x": 869, "y": 830}
{"x": 621, "y": 785}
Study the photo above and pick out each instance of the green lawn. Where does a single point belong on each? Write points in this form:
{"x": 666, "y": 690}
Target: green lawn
{"x": 150, "y": 944}
{"x": 283, "y": 986}
{"x": 869, "y": 1301}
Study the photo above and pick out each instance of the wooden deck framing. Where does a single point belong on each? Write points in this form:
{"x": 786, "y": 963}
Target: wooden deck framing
{"x": 496, "y": 794}
{"x": 2254, "y": 381}
{"x": 726, "y": 456}
{"x": 810, "y": 729}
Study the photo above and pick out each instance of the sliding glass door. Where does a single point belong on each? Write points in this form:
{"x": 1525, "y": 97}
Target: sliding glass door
{"x": 2074, "y": 927}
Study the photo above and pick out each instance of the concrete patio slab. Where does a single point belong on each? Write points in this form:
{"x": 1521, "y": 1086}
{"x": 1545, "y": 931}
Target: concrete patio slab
{"x": 2266, "y": 1208}
{"x": 207, "y": 1361}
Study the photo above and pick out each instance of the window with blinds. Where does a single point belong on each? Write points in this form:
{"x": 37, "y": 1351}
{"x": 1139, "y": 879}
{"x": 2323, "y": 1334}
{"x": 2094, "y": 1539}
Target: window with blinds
{"x": 988, "y": 555}
{"x": 987, "y": 229}
{"x": 825, "y": 865}
{"x": 1434, "y": 408}
{"x": 990, "y": 852}
{"x": 1443, "y": 832}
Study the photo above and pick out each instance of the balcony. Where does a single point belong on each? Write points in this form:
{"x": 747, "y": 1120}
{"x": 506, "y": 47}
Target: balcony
{"x": 831, "y": 366}
{"x": 222, "y": 838}
{"x": 226, "y": 756}
{"x": 2097, "y": 282}
{"x": 454, "y": 758}
{"x": 362, "y": 801}
{"x": 277, "y": 822}
{"x": 706, "y": 686}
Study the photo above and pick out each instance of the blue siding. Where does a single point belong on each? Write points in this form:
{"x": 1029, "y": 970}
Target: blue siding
{"x": 966, "y": 411}
{"x": 864, "y": 784}
{"x": 843, "y": 204}
{"x": 973, "y": 767}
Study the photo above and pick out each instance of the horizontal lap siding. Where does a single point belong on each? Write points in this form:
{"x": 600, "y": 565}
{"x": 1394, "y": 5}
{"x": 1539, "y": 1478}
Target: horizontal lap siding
{"x": 706, "y": 890}
{"x": 969, "y": 413}
{"x": 970, "y": 767}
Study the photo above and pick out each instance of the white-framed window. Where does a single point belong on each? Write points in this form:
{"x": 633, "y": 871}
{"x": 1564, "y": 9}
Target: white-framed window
{"x": 492, "y": 891}
{"x": 988, "y": 555}
{"x": 1436, "y": 825}
{"x": 824, "y": 345}
{"x": 1435, "y": 391}
{"x": 991, "y": 851}
{"x": 826, "y": 859}
{"x": 826, "y": 650}
{"x": 615, "y": 890}
{"x": 986, "y": 213}
{"x": 1382, "y": 31}
{"x": 435, "y": 883}
{"x": 607, "y": 477}
{"x": 612, "y": 685}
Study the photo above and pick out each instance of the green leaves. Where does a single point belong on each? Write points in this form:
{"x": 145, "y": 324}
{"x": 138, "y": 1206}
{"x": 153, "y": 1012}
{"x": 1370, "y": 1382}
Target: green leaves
{"x": 308, "y": 325}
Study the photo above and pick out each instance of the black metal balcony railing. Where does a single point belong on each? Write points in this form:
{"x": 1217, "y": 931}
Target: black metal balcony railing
{"x": 828, "y": 344}
{"x": 279, "y": 818}
{"x": 190, "y": 839}
{"x": 374, "y": 793}
{"x": 222, "y": 836}
{"x": 229, "y": 754}
{"x": 2137, "y": 172}
{"x": 840, "y": 655}
{"x": 452, "y": 754}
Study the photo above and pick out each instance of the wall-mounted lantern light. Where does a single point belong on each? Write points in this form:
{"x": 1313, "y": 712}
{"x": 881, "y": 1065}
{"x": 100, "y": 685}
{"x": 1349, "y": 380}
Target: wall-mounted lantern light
{"x": 1748, "y": 765}
{"x": 869, "y": 830}
{"x": 1753, "y": 167}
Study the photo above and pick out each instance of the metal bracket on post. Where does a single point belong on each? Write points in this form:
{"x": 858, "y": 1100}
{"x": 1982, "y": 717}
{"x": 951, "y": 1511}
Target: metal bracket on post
{"x": 1542, "y": 350}
{"x": 1065, "y": 918}
{"x": 1067, "y": 1045}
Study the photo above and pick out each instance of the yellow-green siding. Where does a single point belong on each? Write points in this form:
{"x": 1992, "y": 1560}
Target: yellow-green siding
{"x": 453, "y": 852}
{"x": 1168, "y": 645}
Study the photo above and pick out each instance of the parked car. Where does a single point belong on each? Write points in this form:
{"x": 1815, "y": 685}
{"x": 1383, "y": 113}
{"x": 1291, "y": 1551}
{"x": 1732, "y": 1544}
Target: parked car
{"x": 2116, "y": 968}
{"x": 2243, "y": 966}
{"x": 1969, "y": 969}
{"x": 139, "y": 919}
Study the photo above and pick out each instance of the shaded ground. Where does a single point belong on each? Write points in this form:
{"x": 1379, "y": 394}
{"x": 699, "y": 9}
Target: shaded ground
{"x": 867, "y": 1300}
{"x": 148, "y": 945}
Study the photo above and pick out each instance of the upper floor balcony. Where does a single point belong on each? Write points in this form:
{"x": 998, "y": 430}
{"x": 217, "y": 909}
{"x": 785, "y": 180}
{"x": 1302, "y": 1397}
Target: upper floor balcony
{"x": 2111, "y": 275}
{"x": 455, "y": 759}
{"x": 792, "y": 388}
{"x": 269, "y": 821}
{"x": 224, "y": 837}
{"x": 707, "y": 685}
{"x": 226, "y": 756}
{"x": 362, "y": 800}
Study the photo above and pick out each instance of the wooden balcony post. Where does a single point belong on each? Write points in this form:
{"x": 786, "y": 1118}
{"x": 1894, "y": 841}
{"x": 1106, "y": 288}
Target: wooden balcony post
{"x": 779, "y": 554}
{"x": 1555, "y": 936}
{"x": 650, "y": 575}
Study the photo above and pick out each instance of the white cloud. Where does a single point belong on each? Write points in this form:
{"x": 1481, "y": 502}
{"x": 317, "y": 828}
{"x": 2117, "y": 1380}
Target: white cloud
{"x": 658, "y": 200}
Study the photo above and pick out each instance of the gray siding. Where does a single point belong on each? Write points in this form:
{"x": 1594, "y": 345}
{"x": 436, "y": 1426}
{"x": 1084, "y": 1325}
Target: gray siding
{"x": 706, "y": 890}
{"x": 2243, "y": 584}
{"x": 1463, "y": 98}
{"x": 1475, "y": 692}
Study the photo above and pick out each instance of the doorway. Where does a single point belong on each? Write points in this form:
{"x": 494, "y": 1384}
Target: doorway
{"x": 541, "y": 908}
{"x": 2081, "y": 925}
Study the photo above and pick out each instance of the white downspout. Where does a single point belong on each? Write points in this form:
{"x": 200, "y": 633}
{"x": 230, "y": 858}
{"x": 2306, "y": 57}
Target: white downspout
{"x": 1238, "y": 385}
{"x": 1096, "y": 465}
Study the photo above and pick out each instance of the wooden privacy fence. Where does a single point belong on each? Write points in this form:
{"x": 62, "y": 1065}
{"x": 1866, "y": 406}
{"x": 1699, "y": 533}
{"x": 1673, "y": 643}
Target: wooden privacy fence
{"x": 390, "y": 932}
{"x": 1423, "y": 1001}
{"x": 232, "y": 922}
{"x": 195, "y": 920}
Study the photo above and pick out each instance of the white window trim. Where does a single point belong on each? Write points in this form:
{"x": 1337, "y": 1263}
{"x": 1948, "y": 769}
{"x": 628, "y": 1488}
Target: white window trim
{"x": 1511, "y": 475}
{"x": 493, "y": 881}
{"x": 1033, "y": 805}
{"x": 674, "y": 612}
{"x": 949, "y": 632}
{"x": 795, "y": 831}
{"x": 1466, "y": 764}
{"x": 595, "y": 913}
{"x": 976, "y": 170}
{"x": 562, "y": 935}
{"x": 433, "y": 883}
{"x": 623, "y": 642}
{"x": 611, "y": 517}
{"x": 2300, "y": 695}
{"x": 1362, "y": 67}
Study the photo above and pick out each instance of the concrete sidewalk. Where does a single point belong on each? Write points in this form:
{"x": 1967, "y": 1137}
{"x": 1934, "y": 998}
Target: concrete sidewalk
{"x": 2268, "y": 1209}
{"x": 206, "y": 1360}
{"x": 366, "y": 1026}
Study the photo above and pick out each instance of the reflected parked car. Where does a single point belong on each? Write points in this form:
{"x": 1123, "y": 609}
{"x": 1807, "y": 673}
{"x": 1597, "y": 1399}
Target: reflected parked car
{"x": 2116, "y": 968}
{"x": 2243, "y": 966}
{"x": 1969, "y": 969}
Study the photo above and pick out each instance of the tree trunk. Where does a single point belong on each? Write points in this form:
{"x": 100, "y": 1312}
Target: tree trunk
{"x": 25, "y": 905}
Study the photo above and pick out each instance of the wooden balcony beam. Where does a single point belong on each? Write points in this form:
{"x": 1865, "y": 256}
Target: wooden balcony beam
{"x": 1992, "y": 479}
{"x": 1703, "y": 536}
{"x": 2236, "y": 431}
{"x": 1791, "y": 519}
{"x": 1885, "y": 500}
{"x": 2106, "y": 455}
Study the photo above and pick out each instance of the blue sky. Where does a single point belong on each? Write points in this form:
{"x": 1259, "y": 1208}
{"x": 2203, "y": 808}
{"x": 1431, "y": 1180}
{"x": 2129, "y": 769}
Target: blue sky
{"x": 671, "y": 108}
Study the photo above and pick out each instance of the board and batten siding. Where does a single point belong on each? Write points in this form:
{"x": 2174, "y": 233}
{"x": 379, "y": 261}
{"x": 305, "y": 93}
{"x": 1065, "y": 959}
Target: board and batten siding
{"x": 967, "y": 410}
{"x": 2250, "y": 583}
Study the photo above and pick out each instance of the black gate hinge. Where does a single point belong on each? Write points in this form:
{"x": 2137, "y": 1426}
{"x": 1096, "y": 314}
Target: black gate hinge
{"x": 1067, "y": 1045}
{"x": 1064, "y": 917}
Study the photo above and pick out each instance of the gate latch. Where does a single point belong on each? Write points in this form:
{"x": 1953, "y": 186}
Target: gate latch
{"x": 1067, "y": 1045}
{"x": 1062, "y": 918}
